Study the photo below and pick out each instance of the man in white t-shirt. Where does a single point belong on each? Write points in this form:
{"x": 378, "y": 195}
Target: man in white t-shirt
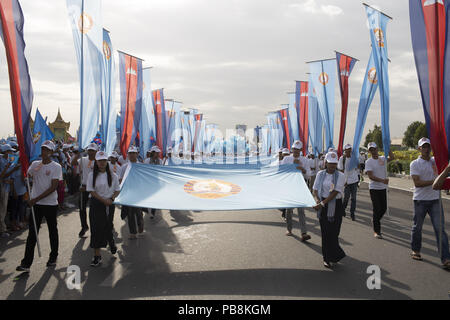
{"x": 426, "y": 200}
{"x": 134, "y": 214}
{"x": 377, "y": 172}
{"x": 304, "y": 166}
{"x": 351, "y": 180}
{"x": 86, "y": 166}
{"x": 46, "y": 175}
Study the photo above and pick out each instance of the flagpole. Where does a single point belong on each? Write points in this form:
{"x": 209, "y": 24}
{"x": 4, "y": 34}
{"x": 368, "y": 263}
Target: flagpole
{"x": 365, "y": 4}
{"x": 34, "y": 220}
{"x": 80, "y": 138}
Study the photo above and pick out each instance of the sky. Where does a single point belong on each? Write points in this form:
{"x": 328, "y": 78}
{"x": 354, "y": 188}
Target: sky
{"x": 233, "y": 60}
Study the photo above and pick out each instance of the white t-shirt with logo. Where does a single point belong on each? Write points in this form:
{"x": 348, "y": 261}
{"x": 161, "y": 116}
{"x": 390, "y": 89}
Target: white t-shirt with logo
{"x": 304, "y": 163}
{"x": 101, "y": 184}
{"x": 328, "y": 184}
{"x": 351, "y": 176}
{"x": 42, "y": 175}
{"x": 378, "y": 168}
{"x": 427, "y": 171}
{"x": 86, "y": 166}
{"x": 314, "y": 166}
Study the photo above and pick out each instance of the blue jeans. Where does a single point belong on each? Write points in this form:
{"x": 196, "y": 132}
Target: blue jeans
{"x": 350, "y": 189}
{"x": 433, "y": 208}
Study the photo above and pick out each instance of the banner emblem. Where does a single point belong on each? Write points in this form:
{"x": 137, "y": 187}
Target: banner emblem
{"x": 85, "y": 23}
{"x": 36, "y": 137}
{"x": 379, "y": 36}
{"x": 323, "y": 78}
{"x": 106, "y": 50}
{"x": 372, "y": 76}
{"x": 211, "y": 189}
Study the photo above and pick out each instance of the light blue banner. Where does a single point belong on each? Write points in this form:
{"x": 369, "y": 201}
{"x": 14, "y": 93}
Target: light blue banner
{"x": 293, "y": 117}
{"x": 368, "y": 91}
{"x": 87, "y": 29}
{"x": 315, "y": 121}
{"x": 378, "y": 23}
{"x": 215, "y": 188}
{"x": 109, "y": 112}
{"x": 148, "y": 125}
{"x": 323, "y": 79}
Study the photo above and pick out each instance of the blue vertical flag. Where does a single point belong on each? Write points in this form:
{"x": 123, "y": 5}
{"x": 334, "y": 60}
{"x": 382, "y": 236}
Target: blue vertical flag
{"x": 315, "y": 121}
{"x": 173, "y": 115}
{"x": 378, "y": 23}
{"x": 11, "y": 31}
{"x": 41, "y": 133}
{"x": 86, "y": 21}
{"x": 109, "y": 114}
{"x": 148, "y": 125}
{"x": 323, "y": 79}
{"x": 368, "y": 91}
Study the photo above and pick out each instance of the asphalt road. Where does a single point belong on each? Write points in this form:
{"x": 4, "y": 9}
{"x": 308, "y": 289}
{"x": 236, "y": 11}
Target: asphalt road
{"x": 233, "y": 255}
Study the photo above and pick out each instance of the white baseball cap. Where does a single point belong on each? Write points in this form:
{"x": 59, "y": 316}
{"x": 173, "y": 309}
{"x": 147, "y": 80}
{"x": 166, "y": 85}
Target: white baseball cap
{"x": 155, "y": 149}
{"x": 132, "y": 149}
{"x": 331, "y": 150}
{"x": 372, "y": 145}
{"x": 347, "y": 146}
{"x": 114, "y": 154}
{"x": 331, "y": 157}
{"x": 49, "y": 145}
{"x": 286, "y": 151}
{"x": 297, "y": 145}
{"x": 423, "y": 141}
{"x": 169, "y": 150}
{"x": 280, "y": 150}
{"x": 92, "y": 146}
{"x": 101, "y": 155}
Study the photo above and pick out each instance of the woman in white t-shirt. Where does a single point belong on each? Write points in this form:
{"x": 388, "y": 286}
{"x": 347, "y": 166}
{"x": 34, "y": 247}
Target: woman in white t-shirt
{"x": 328, "y": 189}
{"x": 104, "y": 187}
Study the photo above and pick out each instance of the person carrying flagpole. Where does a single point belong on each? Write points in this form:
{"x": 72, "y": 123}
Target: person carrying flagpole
{"x": 46, "y": 175}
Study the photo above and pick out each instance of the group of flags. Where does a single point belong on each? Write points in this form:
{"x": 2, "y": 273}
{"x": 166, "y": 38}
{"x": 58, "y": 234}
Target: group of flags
{"x": 146, "y": 118}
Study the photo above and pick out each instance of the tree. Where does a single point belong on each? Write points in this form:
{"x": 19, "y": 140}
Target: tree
{"x": 375, "y": 136}
{"x": 409, "y": 139}
{"x": 420, "y": 133}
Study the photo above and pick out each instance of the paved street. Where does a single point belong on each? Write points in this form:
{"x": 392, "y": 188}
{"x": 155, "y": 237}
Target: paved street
{"x": 234, "y": 255}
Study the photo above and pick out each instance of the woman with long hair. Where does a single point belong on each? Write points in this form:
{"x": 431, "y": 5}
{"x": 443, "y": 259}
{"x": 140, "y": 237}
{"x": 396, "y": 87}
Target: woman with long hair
{"x": 328, "y": 190}
{"x": 103, "y": 185}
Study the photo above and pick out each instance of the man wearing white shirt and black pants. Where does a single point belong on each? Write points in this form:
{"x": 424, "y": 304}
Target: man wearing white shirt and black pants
{"x": 46, "y": 175}
{"x": 426, "y": 200}
{"x": 376, "y": 170}
{"x": 351, "y": 180}
{"x": 86, "y": 165}
{"x": 304, "y": 166}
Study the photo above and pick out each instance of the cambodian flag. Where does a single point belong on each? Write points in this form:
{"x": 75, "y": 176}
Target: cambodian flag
{"x": 285, "y": 125}
{"x": 430, "y": 39}
{"x": 130, "y": 99}
{"x": 345, "y": 66}
{"x": 160, "y": 117}
{"x": 41, "y": 133}
{"x": 301, "y": 104}
{"x": 147, "y": 125}
{"x": 11, "y": 31}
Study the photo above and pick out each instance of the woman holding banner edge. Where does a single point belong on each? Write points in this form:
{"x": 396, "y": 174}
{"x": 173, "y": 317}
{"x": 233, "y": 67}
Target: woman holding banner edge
{"x": 328, "y": 190}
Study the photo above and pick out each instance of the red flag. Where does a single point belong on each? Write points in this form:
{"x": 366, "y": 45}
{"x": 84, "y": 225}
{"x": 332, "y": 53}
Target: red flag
{"x": 345, "y": 66}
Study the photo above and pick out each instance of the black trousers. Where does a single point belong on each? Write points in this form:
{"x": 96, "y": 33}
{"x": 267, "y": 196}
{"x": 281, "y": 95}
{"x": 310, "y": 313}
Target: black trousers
{"x": 100, "y": 220}
{"x": 379, "y": 203}
{"x": 134, "y": 216}
{"x": 331, "y": 250}
{"x": 40, "y": 211}
{"x": 84, "y": 198}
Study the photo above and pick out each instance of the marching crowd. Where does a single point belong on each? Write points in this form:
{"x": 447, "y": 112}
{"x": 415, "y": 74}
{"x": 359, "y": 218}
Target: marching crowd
{"x": 97, "y": 177}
